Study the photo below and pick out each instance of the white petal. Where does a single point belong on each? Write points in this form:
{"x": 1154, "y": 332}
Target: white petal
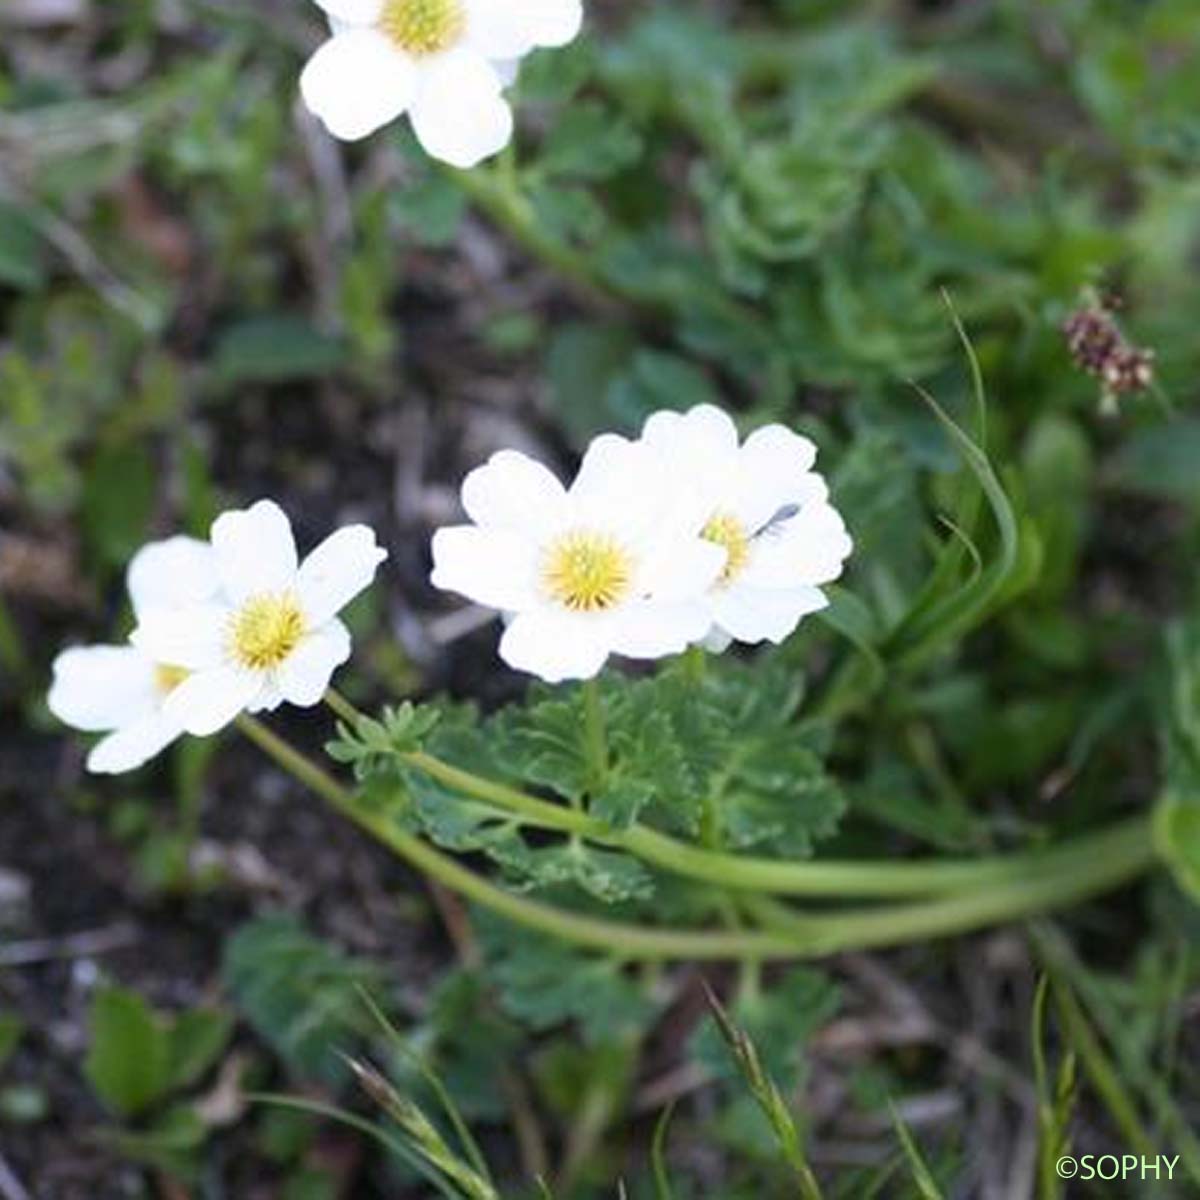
{"x": 700, "y": 450}
{"x": 255, "y": 551}
{"x": 494, "y": 567}
{"x": 357, "y": 82}
{"x": 549, "y": 22}
{"x": 507, "y": 70}
{"x": 192, "y": 637}
{"x": 624, "y": 487}
{"x": 494, "y": 30}
{"x": 663, "y": 428}
{"x": 702, "y": 433}
{"x": 353, "y": 12}
{"x": 754, "y": 615}
{"x": 808, "y": 549}
{"x": 683, "y": 569}
{"x": 133, "y": 745}
{"x": 513, "y": 492}
{"x": 606, "y": 468}
{"x": 649, "y": 629}
{"x": 458, "y": 113}
{"x": 101, "y": 687}
{"x": 772, "y": 471}
{"x": 172, "y": 574}
{"x": 305, "y": 676}
{"x": 336, "y": 571}
{"x": 554, "y": 645}
{"x": 507, "y": 29}
{"x": 209, "y": 700}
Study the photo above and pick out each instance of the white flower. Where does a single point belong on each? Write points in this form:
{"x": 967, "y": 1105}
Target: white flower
{"x": 120, "y": 690}
{"x": 271, "y": 634}
{"x": 444, "y": 62}
{"x": 614, "y": 565}
{"x": 767, "y": 508}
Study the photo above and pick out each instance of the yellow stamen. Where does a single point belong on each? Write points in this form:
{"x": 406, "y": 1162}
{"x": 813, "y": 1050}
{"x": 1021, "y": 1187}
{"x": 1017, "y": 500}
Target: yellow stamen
{"x": 586, "y": 571}
{"x": 421, "y": 27}
{"x": 265, "y": 630}
{"x": 167, "y": 678}
{"x": 726, "y": 531}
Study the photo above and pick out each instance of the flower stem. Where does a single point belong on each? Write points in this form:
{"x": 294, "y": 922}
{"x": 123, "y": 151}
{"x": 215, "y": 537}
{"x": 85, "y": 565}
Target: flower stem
{"x": 342, "y": 707}
{"x": 628, "y": 941}
{"x": 865, "y": 878}
{"x": 596, "y": 738}
{"x": 496, "y": 192}
{"x": 1118, "y": 856}
{"x": 1114, "y": 857}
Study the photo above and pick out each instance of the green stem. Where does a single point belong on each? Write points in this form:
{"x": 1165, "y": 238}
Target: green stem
{"x": 628, "y": 941}
{"x": 829, "y": 878}
{"x": 1118, "y": 855}
{"x": 832, "y": 877}
{"x": 1115, "y": 860}
{"x": 497, "y": 193}
{"x": 342, "y": 707}
{"x": 596, "y": 738}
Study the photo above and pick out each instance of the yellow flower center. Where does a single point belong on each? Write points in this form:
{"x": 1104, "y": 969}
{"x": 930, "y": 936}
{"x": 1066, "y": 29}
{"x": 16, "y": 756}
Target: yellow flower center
{"x": 586, "y": 571}
{"x": 167, "y": 678}
{"x": 421, "y": 27}
{"x": 726, "y": 531}
{"x": 265, "y": 630}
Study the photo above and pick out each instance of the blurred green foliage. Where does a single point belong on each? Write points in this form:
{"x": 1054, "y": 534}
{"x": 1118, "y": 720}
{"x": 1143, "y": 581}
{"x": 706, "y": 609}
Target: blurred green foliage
{"x": 756, "y": 205}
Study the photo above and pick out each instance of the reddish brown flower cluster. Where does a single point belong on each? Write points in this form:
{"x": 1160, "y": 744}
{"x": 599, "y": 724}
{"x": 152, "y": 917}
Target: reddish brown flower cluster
{"x": 1100, "y": 348}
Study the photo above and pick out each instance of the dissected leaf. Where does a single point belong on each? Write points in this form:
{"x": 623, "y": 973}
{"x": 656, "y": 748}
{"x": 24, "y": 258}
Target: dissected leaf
{"x": 301, "y": 994}
{"x": 543, "y": 984}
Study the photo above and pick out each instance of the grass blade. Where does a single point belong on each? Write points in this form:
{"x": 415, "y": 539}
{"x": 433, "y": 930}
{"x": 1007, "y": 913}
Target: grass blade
{"x": 768, "y": 1096}
{"x": 922, "y": 1176}
{"x": 658, "y": 1159}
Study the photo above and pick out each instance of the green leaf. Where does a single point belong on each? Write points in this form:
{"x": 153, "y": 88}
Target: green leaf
{"x": 656, "y": 380}
{"x": 22, "y": 259}
{"x": 12, "y": 1029}
{"x": 581, "y": 362}
{"x": 118, "y": 498}
{"x": 753, "y": 779}
{"x": 1161, "y": 461}
{"x": 1177, "y": 837}
{"x": 300, "y": 994}
{"x": 170, "y": 1145}
{"x": 196, "y": 1040}
{"x": 431, "y": 207}
{"x": 472, "y": 1042}
{"x": 553, "y": 76}
{"x": 547, "y": 744}
{"x": 1176, "y": 827}
{"x": 465, "y": 825}
{"x": 714, "y": 749}
{"x": 275, "y": 349}
{"x": 129, "y": 1060}
{"x": 543, "y": 984}
{"x": 368, "y": 744}
{"x": 938, "y": 618}
{"x": 589, "y": 141}
{"x": 542, "y": 745}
